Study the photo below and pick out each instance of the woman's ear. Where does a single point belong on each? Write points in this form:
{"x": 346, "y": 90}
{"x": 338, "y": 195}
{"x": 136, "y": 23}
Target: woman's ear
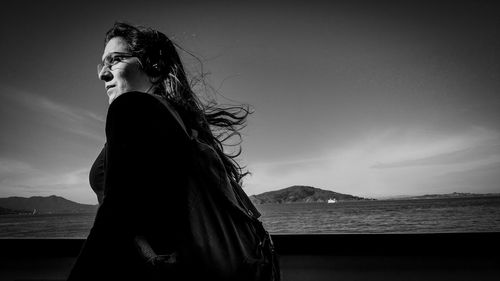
{"x": 155, "y": 79}
{"x": 155, "y": 73}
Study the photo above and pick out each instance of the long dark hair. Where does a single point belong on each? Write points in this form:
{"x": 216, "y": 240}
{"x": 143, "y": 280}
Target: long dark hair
{"x": 216, "y": 125}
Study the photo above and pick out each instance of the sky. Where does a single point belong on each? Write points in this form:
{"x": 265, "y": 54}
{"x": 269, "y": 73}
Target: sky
{"x": 369, "y": 98}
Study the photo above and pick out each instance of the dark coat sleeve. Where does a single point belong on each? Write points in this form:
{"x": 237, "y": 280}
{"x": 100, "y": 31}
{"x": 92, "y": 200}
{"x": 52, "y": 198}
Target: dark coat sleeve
{"x": 144, "y": 160}
{"x": 142, "y": 181}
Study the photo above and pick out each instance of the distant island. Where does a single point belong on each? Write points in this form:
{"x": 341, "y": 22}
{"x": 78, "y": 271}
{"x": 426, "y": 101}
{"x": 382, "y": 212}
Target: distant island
{"x": 302, "y": 194}
{"x": 43, "y": 205}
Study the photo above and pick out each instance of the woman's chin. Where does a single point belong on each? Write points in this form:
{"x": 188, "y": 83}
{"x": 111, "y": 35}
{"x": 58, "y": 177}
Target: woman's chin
{"x": 112, "y": 95}
{"x": 111, "y": 98}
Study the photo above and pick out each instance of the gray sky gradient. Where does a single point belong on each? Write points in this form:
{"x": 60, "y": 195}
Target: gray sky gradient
{"x": 370, "y": 98}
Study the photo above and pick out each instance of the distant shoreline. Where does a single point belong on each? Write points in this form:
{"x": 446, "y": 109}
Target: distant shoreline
{"x": 440, "y": 196}
{"x": 65, "y": 206}
{"x": 409, "y": 198}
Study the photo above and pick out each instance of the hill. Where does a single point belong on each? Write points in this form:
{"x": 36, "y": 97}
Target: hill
{"x": 301, "y": 194}
{"x": 44, "y": 205}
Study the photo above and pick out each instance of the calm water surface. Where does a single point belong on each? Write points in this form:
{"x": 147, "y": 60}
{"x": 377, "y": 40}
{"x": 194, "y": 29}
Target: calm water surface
{"x": 383, "y": 216}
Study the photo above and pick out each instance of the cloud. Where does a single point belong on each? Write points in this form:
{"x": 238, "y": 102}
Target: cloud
{"x": 64, "y": 117}
{"x": 290, "y": 166}
{"x": 470, "y": 154}
{"x": 367, "y": 166}
{"x": 482, "y": 178}
{"x": 411, "y": 147}
{"x": 22, "y": 179}
{"x": 12, "y": 167}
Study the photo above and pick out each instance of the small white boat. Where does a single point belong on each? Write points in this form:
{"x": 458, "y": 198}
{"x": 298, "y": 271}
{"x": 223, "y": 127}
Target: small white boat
{"x": 332, "y": 200}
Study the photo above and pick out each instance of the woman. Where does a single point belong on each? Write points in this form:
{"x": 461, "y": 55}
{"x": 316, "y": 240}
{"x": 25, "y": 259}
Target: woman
{"x": 154, "y": 221}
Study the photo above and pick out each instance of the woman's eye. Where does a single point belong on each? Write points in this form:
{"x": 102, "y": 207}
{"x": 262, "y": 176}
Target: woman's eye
{"x": 115, "y": 60}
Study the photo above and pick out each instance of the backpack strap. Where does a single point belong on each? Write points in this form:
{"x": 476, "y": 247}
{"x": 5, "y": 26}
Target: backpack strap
{"x": 236, "y": 196}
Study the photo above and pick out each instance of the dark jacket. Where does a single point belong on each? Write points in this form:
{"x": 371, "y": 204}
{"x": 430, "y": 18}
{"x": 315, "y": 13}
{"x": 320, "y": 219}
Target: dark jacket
{"x": 141, "y": 170}
{"x": 160, "y": 182}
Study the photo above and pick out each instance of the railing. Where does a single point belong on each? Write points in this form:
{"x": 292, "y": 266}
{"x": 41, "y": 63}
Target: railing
{"x": 428, "y": 244}
{"x": 303, "y": 257}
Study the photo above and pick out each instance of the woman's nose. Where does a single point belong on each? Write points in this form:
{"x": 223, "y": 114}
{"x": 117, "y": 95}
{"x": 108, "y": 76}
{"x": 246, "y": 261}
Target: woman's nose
{"x": 105, "y": 75}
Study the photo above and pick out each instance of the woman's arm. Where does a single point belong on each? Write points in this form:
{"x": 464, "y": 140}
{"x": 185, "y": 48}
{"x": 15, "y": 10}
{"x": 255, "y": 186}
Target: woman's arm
{"x": 143, "y": 171}
{"x": 143, "y": 159}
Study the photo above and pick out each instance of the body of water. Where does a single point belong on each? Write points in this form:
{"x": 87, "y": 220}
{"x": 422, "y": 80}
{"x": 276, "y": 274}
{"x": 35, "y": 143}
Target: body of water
{"x": 385, "y": 216}
{"x": 480, "y": 214}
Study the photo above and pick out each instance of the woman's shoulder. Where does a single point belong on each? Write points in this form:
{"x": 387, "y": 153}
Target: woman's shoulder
{"x": 140, "y": 106}
{"x": 136, "y": 101}
{"x": 141, "y": 111}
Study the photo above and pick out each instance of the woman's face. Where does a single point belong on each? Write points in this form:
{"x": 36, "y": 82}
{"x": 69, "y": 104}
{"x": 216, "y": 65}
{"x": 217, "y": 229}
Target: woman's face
{"x": 122, "y": 72}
